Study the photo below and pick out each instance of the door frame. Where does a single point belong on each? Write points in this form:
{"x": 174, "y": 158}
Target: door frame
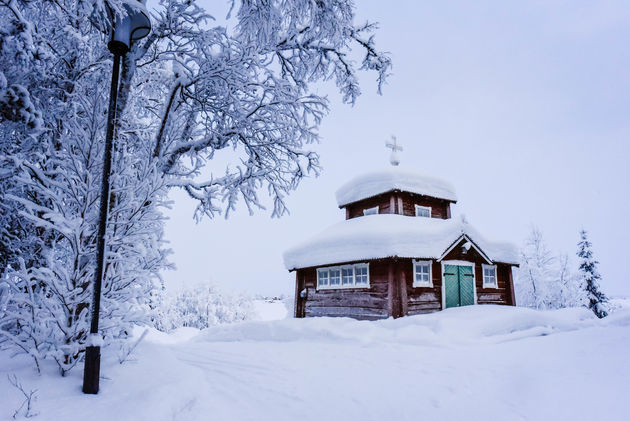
{"x": 458, "y": 263}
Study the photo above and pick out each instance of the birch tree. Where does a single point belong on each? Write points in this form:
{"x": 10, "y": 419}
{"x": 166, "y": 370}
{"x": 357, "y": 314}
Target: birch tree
{"x": 191, "y": 91}
{"x": 545, "y": 279}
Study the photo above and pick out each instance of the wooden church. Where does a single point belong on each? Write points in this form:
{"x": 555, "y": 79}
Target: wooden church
{"x": 398, "y": 253}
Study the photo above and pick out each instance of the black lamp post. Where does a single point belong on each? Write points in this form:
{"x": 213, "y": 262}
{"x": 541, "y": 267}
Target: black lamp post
{"x": 134, "y": 25}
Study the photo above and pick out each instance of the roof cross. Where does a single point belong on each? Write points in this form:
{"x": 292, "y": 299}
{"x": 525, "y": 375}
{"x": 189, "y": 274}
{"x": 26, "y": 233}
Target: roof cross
{"x": 395, "y": 147}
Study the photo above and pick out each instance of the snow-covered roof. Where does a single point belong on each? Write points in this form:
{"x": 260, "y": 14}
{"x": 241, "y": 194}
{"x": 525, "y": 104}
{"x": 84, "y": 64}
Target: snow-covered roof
{"x": 389, "y": 235}
{"x": 393, "y": 178}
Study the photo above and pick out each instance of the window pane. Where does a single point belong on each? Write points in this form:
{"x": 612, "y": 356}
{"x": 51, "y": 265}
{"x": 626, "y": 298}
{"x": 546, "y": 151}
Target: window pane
{"x": 335, "y": 277}
{"x": 322, "y": 277}
{"x": 423, "y": 211}
{"x": 361, "y": 275}
{"x": 490, "y": 275}
{"x": 370, "y": 211}
{"x": 423, "y": 272}
{"x": 347, "y": 277}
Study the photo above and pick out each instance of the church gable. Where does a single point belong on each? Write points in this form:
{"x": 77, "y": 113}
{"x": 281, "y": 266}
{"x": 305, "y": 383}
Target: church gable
{"x": 466, "y": 249}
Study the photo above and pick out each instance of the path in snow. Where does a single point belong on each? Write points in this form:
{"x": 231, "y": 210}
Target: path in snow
{"x": 480, "y": 362}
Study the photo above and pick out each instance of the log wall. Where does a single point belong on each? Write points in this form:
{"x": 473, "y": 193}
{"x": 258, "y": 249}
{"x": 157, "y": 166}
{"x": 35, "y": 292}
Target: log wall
{"x": 401, "y": 203}
{"x": 391, "y": 291}
{"x": 360, "y": 303}
{"x": 423, "y": 299}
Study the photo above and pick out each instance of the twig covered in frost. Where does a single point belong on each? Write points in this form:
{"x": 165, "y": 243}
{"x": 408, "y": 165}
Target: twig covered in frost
{"x": 29, "y": 398}
{"x": 125, "y": 353}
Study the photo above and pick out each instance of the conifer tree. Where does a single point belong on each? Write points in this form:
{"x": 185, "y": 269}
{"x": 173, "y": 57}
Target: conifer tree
{"x": 590, "y": 277}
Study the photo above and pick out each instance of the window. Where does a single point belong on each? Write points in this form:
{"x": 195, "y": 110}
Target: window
{"x": 370, "y": 211}
{"x": 422, "y": 273}
{"x": 335, "y": 277}
{"x": 361, "y": 275}
{"x": 423, "y": 211}
{"x": 347, "y": 276}
{"x": 489, "y": 276}
{"x": 322, "y": 278}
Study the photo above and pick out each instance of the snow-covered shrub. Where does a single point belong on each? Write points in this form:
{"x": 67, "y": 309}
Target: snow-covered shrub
{"x": 201, "y": 307}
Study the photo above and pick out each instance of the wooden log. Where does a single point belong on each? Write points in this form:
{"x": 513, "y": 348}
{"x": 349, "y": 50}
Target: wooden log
{"x": 496, "y": 296}
{"x": 354, "y": 312}
{"x": 362, "y": 302}
{"x": 423, "y": 297}
{"x": 402, "y": 282}
{"x": 424, "y": 306}
{"x": 413, "y": 311}
{"x": 390, "y": 289}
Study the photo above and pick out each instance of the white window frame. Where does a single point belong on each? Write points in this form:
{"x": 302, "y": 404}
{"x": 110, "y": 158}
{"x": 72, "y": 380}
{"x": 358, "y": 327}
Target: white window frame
{"x": 417, "y": 207}
{"x": 319, "y": 285}
{"x": 360, "y": 266}
{"x": 353, "y": 285}
{"x": 351, "y": 268}
{"x": 417, "y": 284}
{"x": 330, "y": 285}
{"x": 496, "y": 276}
{"x": 370, "y": 211}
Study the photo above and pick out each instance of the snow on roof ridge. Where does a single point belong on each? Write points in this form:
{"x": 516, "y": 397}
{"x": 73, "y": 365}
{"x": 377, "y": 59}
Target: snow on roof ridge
{"x": 393, "y": 178}
{"x": 388, "y": 235}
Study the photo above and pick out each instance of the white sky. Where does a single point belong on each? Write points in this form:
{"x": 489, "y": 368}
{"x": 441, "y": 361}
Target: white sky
{"x": 523, "y": 106}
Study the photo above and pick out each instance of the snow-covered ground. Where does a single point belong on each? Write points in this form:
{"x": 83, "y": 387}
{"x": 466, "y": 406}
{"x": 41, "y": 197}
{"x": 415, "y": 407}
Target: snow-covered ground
{"x": 269, "y": 309}
{"x": 472, "y": 363}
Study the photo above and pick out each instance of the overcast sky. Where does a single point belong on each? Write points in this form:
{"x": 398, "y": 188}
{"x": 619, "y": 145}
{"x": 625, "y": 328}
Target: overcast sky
{"x": 522, "y": 106}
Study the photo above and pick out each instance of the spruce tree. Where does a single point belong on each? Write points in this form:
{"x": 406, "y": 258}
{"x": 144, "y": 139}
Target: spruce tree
{"x": 590, "y": 277}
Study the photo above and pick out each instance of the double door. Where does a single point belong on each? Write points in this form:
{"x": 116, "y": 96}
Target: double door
{"x": 459, "y": 285}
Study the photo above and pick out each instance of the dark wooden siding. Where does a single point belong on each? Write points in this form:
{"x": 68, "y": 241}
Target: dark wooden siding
{"x": 439, "y": 208}
{"x": 382, "y": 201}
{"x": 360, "y": 303}
{"x": 422, "y": 299}
{"x": 391, "y": 291}
{"x": 401, "y": 203}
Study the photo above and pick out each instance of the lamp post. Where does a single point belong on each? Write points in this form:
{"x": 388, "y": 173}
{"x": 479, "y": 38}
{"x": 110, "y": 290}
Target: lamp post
{"x": 134, "y": 25}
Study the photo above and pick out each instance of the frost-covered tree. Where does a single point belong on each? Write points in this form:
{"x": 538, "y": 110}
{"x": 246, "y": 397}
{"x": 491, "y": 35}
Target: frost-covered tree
{"x": 596, "y": 300}
{"x": 571, "y": 293}
{"x": 536, "y": 273}
{"x": 544, "y": 280}
{"x": 189, "y": 92}
{"x": 201, "y": 307}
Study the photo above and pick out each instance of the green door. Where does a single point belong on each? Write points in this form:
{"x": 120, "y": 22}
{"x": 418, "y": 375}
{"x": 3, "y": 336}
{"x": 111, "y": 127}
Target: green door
{"x": 459, "y": 285}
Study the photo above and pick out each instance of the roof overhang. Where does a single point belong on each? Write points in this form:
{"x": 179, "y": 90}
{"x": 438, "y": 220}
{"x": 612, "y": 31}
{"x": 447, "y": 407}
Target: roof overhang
{"x": 395, "y": 191}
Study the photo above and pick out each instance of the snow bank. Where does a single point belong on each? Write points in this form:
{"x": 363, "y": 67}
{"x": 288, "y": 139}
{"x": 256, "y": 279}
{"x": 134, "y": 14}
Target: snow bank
{"x": 387, "y": 235}
{"x": 487, "y": 362}
{"x": 394, "y": 178}
{"x": 488, "y": 323}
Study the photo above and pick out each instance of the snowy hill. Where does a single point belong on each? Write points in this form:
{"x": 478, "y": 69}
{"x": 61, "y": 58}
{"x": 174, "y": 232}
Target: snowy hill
{"x": 473, "y": 363}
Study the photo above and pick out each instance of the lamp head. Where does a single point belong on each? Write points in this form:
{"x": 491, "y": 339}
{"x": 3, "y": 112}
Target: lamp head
{"x": 134, "y": 25}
